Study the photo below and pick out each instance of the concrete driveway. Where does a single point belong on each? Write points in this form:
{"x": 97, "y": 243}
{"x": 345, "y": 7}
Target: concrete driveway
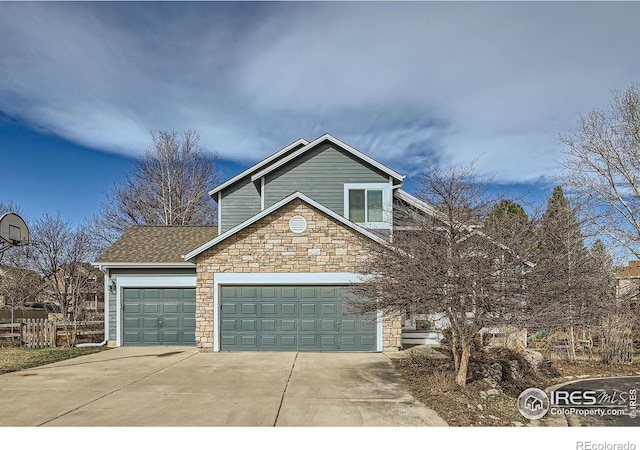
{"x": 169, "y": 386}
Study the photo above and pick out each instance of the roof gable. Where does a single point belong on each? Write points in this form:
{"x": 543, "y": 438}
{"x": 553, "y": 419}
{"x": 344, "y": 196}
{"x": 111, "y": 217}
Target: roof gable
{"x": 296, "y": 195}
{"x": 269, "y": 159}
{"x": 327, "y": 138}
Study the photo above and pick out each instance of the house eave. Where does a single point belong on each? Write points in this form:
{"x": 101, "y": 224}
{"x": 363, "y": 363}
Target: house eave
{"x": 143, "y": 265}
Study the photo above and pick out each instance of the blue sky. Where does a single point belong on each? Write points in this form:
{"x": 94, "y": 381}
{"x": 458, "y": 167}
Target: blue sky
{"x": 81, "y": 85}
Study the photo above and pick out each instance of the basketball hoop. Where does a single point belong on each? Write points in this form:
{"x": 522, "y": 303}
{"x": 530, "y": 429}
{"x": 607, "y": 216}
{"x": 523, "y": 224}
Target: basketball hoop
{"x": 13, "y": 231}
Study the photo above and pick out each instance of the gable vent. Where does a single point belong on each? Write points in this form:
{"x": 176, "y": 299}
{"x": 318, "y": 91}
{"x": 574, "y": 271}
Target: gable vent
{"x": 297, "y": 224}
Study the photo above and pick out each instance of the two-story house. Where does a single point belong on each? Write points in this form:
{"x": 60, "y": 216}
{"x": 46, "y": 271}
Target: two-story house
{"x": 274, "y": 273}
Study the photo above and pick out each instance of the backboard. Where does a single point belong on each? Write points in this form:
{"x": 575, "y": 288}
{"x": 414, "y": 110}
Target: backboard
{"x": 13, "y": 230}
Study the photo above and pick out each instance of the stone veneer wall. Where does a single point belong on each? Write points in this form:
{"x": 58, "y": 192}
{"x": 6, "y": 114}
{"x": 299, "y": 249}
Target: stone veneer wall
{"x": 269, "y": 246}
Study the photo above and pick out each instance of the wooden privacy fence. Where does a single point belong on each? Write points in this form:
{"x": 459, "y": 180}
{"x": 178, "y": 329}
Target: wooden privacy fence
{"x": 38, "y": 333}
{"x": 41, "y": 333}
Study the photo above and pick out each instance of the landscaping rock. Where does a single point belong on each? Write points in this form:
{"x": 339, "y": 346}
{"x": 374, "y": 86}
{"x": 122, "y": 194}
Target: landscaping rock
{"x": 493, "y": 392}
{"x": 493, "y": 374}
{"x": 533, "y": 357}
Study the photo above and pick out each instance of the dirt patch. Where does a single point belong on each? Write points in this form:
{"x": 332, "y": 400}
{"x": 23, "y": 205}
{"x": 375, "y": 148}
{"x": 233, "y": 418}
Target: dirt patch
{"x": 496, "y": 379}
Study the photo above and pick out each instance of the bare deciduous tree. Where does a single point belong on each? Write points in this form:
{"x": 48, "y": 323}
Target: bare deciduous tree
{"x": 168, "y": 186}
{"x": 59, "y": 253}
{"x": 603, "y": 167}
{"x": 440, "y": 262}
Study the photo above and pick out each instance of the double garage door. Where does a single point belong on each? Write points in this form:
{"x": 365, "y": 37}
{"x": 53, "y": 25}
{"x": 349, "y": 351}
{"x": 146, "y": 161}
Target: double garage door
{"x": 290, "y": 318}
{"x": 258, "y": 318}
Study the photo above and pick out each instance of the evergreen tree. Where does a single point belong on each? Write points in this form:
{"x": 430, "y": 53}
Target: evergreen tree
{"x": 562, "y": 285}
{"x": 509, "y": 224}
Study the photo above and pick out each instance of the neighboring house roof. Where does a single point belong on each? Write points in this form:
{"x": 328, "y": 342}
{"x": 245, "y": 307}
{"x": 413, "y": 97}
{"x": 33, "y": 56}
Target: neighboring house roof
{"x": 293, "y": 146}
{"x": 276, "y": 206}
{"x": 631, "y": 271}
{"x": 157, "y": 245}
{"x": 337, "y": 142}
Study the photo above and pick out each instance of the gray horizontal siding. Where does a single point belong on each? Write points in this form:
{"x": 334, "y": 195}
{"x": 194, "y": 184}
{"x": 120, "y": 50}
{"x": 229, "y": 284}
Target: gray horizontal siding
{"x": 239, "y": 202}
{"x": 320, "y": 174}
{"x": 113, "y": 276}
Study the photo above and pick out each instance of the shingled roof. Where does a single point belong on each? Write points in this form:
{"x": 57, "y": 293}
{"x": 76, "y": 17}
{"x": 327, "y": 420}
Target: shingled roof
{"x": 157, "y": 244}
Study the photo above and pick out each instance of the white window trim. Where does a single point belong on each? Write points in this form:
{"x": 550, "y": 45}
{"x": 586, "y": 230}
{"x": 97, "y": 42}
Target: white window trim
{"x": 150, "y": 282}
{"x": 387, "y": 210}
{"x": 302, "y": 278}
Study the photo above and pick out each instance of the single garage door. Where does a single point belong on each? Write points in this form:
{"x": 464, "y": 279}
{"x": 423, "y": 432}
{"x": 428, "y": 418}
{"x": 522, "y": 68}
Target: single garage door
{"x": 159, "y": 316}
{"x": 287, "y": 318}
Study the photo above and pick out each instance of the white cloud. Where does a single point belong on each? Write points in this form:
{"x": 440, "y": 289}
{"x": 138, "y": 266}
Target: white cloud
{"x": 396, "y": 80}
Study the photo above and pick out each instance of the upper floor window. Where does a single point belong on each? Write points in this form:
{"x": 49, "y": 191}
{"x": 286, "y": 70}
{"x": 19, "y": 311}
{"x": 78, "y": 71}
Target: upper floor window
{"x": 368, "y": 204}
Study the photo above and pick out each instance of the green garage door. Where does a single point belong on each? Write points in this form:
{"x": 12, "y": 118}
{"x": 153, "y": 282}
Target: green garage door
{"x": 292, "y": 318}
{"x": 159, "y": 316}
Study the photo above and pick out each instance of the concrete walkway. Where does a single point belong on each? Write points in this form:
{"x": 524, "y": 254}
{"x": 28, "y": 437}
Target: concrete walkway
{"x": 169, "y": 386}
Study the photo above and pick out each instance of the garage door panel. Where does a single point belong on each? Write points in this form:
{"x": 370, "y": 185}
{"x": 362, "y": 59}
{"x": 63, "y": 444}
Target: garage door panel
{"x": 228, "y": 341}
{"x": 308, "y": 309}
{"x": 289, "y": 325}
{"x": 307, "y": 325}
{"x": 288, "y": 292}
{"x": 170, "y": 308}
{"x": 368, "y": 341}
{"x": 348, "y": 325}
{"x": 189, "y": 323}
{"x": 289, "y": 342}
{"x": 347, "y": 341}
{"x": 132, "y": 308}
{"x": 170, "y": 322}
{"x": 328, "y": 325}
{"x": 328, "y": 292}
{"x": 308, "y": 342}
{"x": 268, "y": 342}
{"x": 249, "y": 309}
{"x": 150, "y": 308}
{"x": 248, "y": 341}
{"x": 268, "y": 325}
{"x": 248, "y": 325}
{"x": 170, "y": 337}
{"x": 229, "y": 325}
{"x": 329, "y": 309}
{"x": 291, "y": 318}
{"x": 229, "y": 309}
{"x": 133, "y": 322}
{"x": 328, "y": 342}
{"x": 248, "y": 292}
{"x": 150, "y": 337}
{"x": 368, "y": 325}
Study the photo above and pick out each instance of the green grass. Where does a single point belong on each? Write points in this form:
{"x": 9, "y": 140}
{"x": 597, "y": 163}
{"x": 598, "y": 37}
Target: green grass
{"x": 19, "y": 358}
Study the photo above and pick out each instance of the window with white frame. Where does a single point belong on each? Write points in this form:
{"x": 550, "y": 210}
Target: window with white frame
{"x": 368, "y": 204}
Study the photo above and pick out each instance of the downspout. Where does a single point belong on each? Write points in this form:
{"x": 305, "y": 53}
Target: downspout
{"x": 106, "y": 315}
